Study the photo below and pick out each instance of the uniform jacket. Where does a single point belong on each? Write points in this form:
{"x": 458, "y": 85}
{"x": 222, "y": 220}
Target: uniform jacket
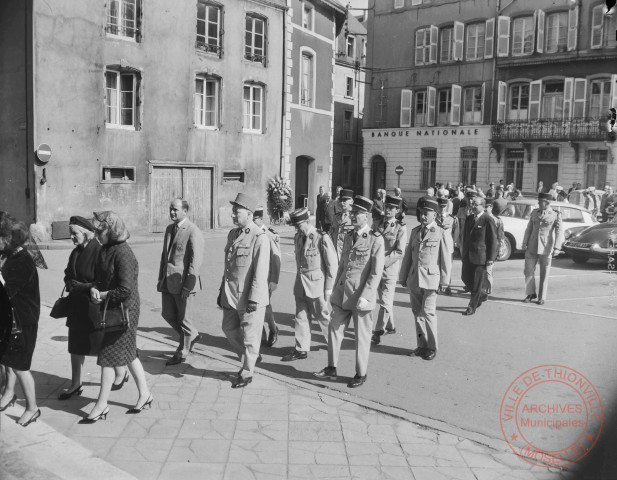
{"x": 342, "y": 220}
{"x": 544, "y": 232}
{"x": 359, "y": 271}
{"x": 480, "y": 244}
{"x": 427, "y": 261}
{"x": 275, "y": 256}
{"x": 448, "y": 224}
{"x": 316, "y": 263}
{"x": 247, "y": 264}
{"x": 394, "y": 235}
{"x": 180, "y": 263}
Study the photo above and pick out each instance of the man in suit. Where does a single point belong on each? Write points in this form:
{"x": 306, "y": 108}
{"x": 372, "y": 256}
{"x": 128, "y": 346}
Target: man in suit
{"x": 394, "y": 233}
{"x": 447, "y": 222}
{"x": 426, "y": 266}
{"x": 178, "y": 279}
{"x": 273, "y": 275}
{"x": 328, "y": 215}
{"x": 490, "y": 211}
{"x": 342, "y": 221}
{"x": 400, "y": 216}
{"x": 480, "y": 248}
{"x": 378, "y": 211}
{"x": 316, "y": 264}
{"x": 318, "y": 210}
{"x": 243, "y": 295}
{"x": 355, "y": 291}
{"x": 542, "y": 240}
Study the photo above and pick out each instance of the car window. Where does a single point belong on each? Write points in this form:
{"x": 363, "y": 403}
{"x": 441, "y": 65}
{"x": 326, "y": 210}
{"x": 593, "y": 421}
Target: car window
{"x": 571, "y": 215}
{"x": 517, "y": 210}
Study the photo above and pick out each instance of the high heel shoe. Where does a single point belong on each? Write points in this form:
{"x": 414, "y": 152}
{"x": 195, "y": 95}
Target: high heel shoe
{"x": 102, "y": 415}
{"x": 137, "y": 410}
{"x": 33, "y": 418}
{"x": 70, "y": 393}
{"x": 115, "y": 387}
{"x": 10, "y": 404}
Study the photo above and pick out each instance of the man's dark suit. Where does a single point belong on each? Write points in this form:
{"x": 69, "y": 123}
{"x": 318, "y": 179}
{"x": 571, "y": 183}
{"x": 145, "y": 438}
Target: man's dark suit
{"x": 479, "y": 247}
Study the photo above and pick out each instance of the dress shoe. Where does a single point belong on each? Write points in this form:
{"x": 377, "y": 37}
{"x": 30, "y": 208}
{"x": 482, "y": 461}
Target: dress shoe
{"x": 10, "y": 404}
{"x": 466, "y": 290}
{"x": 469, "y": 311}
{"x": 529, "y": 298}
{"x": 390, "y": 331}
{"x": 273, "y": 336}
{"x": 417, "y": 352}
{"x": 376, "y": 338}
{"x": 70, "y": 393}
{"x": 136, "y": 410}
{"x": 357, "y": 380}
{"x": 448, "y": 291}
{"x": 118, "y": 386}
{"x": 194, "y": 341}
{"x": 102, "y": 415}
{"x": 483, "y": 299}
{"x": 540, "y": 302}
{"x": 32, "y": 419}
{"x": 429, "y": 354}
{"x": 295, "y": 355}
{"x": 241, "y": 382}
{"x": 175, "y": 360}
{"x": 328, "y": 372}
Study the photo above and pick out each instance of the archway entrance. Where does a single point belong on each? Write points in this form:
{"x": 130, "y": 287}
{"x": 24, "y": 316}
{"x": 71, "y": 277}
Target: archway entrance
{"x": 378, "y": 174}
{"x": 303, "y": 180}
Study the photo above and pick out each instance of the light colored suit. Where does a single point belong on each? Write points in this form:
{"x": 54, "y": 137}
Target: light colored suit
{"x": 179, "y": 267}
{"x": 359, "y": 273}
{"x": 426, "y": 265}
{"x": 245, "y": 279}
{"x": 316, "y": 264}
{"x": 394, "y": 235}
{"x": 544, "y": 232}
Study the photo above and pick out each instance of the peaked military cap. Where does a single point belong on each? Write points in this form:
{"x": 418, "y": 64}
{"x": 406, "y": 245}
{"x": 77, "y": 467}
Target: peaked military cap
{"x": 259, "y": 212}
{"x": 362, "y": 204}
{"x": 298, "y": 216}
{"x": 442, "y": 201}
{"x": 430, "y": 204}
{"x": 346, "y": 193}
{"x": 393, "y": 201}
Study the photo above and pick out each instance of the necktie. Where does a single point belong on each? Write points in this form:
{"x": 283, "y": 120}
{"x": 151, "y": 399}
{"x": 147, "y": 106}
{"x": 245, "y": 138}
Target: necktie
{"x": 424, "y": 232}
{"x": 355, "y": 237}
{"x": 173, "y": 235}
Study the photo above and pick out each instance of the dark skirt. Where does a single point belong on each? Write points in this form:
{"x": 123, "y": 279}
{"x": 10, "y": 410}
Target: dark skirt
{"x": 20, "y": 349}
{"x": 83, "y": 339}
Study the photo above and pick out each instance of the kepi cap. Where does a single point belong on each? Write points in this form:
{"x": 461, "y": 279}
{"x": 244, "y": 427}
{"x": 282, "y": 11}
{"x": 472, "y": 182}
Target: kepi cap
{"x": 430, "y": 204}
{"x": 298, "y": 216}
{"x": 244, "y": 201}
{"x": 442, "y": 201}
{"x": 362, "y": 204}
{"x": 346, "y": 193}
{"x": 259, "y": 212}
{"x": 393, "y": 201}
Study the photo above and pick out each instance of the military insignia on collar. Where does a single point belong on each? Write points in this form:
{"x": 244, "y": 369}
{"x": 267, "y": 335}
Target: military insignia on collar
{"x": 247, "y": 230}
{"x": 432, "y": 229}
{"x": 364, "y": 235}
{"x": 392, "y": 224}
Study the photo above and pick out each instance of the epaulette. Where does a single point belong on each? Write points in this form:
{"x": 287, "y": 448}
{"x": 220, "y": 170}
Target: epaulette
{"x": 375, "y": 233}
{"x": 400, "y": 222}
{"x": 272, "y": 230}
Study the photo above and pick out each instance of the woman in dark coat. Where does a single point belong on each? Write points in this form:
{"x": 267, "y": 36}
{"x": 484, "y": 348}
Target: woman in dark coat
{"x": 79, "y": 279}
{"x": 116, "y": 278}
{"x": 21, "y": 281}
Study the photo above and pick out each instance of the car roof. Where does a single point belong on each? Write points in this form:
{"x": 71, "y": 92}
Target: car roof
{"x": 554, "y": 203}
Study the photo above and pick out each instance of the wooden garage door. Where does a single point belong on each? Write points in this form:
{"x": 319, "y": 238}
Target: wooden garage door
{"x": 194, "y": 184}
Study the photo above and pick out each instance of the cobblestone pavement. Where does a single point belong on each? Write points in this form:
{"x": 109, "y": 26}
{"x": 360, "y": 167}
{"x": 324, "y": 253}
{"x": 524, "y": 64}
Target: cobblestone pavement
{"x": 199, "y": 427}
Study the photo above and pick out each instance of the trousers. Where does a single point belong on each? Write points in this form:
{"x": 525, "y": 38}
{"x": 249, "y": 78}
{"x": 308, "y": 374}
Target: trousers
{"x": 363, "y": 322}
{"x": 424, "y": 308}
{"x": 176, "y": 311}
{"x": 308, "y": 309}
{"x": 531, "y": 260}
{"x": 243, "y": 331}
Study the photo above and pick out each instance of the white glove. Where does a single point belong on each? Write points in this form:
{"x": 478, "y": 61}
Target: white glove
{"x": 362, "y": 304}
{"x": 272, "y": 286}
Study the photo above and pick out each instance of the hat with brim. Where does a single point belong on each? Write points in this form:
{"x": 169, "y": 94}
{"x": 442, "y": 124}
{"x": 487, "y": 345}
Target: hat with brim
{"x": 346, "y": 194}
{"x": 471, "y": 194}
{"x": 488, "y": 201}
{"x": 393, "y": 201}
{"x": 82, "y": 222}
{"x": 298, "y": 216}
{"x": 430, "y": 204}
{"x": 545, "y": 196}
{"x": 361, "y": 204}
{"x": 259, "y": 212}
{"x": 442, "y": 201}
{"x": 244, "y": 201}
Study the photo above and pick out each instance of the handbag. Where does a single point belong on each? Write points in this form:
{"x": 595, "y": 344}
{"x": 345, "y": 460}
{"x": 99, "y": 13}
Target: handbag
{"x": 112, "y": 319}
{"x": 16, "y": 325}
{"x": 61, "y": 307}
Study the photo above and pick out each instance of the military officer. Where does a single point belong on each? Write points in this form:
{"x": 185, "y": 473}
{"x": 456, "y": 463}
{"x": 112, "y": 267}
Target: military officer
{"x": 342, "y": 221}
{"x": 316, "y": 263}
{"x": 273, "y": 274}
{"x": 243, "y": 294}
{"x": 355, "y": 291}
{"x": 426, "y": 265}
{"x": 446, "y": 221}
{"x": 542, "y": 240}
{"x": 394, "y": 233}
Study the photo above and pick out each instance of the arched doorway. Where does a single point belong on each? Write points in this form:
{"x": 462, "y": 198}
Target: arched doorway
{"x": 304, "y": 181}
{"x": 378, "y": 174}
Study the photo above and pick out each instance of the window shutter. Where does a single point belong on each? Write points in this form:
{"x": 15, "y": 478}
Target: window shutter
{"x": 502, "y": 94}
{"x": 455, "y": 112}
{"x": 503, "y": 33}
{"x": 432, "y": 95}
{"x": 489, "y": 39}
{"x": 597, "y": 26}
{"x": 540, "y": 38}
{"x": 434, "y": 37}
{"x": 535, "y": 96}
{"x": 572, "y": 28}
{"x": 567, "y": 98}
{"x": 459, "y": 35}
{"x": 406, "y": 108}
{"x": 420, "y": 47}
{"x": 482, "y": 104}
{"x": 580, "y": 97}
{"x": 613, "y": 91}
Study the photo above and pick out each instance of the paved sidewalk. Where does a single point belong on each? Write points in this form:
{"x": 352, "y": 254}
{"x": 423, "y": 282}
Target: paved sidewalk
{"x": 199, "y": 427}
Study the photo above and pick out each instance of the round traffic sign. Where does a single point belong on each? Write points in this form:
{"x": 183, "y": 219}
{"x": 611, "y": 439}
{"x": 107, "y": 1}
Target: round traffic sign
{"x": 399, "y": 170}
{"x": 43, "y": 152}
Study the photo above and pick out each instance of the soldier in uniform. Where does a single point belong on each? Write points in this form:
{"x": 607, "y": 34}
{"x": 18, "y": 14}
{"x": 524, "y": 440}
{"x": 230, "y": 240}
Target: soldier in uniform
{"x": 394, "y": 233}
{"x": 542, "y": 240}
{"x": 355, "y": 291}
{"x": 316, "y": 263}
{"x": 425, "y": 266}
{"x": 273, "y": 275}
{"x": 446, "y": 221}
{"x": 243, "y": 295}
{"x": 342, "y": 221}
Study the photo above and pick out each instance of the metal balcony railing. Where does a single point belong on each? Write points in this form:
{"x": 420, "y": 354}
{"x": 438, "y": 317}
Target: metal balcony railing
{"x": 574, "y": 129}
{"x": 208, "y": 47}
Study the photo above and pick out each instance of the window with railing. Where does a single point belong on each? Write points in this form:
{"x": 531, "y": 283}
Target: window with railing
{"x": 475, "y": 41}
{"x": 207, "y": 101}
{"x": 124, "y": 18}
{"x": 253, "y": 108}
{"x": 255, "y": 39}
{"x": 523, "y": 36}
{"x": 209, "y": 27}
{"x": 595, "y": 168}
{"x": 600, "y": 100}
{"x": 469, "y": 165}
{"x": 307, "y": 80}
{"x": 472, "y": 110}
{"x": 121, "y": 98}
{"x": 556, "y": 32}
{"x": 519, "y": 102}
{"x": 552, "y": 99}
{"x": 428, "y": 159}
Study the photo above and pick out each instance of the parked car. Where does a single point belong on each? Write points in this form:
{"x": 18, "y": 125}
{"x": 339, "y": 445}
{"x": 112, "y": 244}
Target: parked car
{"x": 588, "y": 198}
{"x": 598, "y": 241}
{"x": 516, "y": 217}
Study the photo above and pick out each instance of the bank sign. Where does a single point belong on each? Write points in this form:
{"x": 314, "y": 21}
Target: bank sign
{"x": 429, "y": 132}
